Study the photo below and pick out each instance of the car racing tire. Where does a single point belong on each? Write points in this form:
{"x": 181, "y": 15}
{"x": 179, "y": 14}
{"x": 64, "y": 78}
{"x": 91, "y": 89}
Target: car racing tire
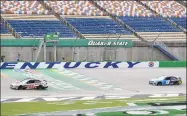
{"x": 40, "y": 87}
{"x": 179, "y": 82}
{"x": 20, "y": 87}
{"x": 159, "y": 84}
{"x": 176, "y": 83}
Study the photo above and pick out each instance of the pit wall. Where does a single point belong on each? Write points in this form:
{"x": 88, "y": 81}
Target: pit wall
{"x": 91, "y": 65}
{"x": 87, "y": 50}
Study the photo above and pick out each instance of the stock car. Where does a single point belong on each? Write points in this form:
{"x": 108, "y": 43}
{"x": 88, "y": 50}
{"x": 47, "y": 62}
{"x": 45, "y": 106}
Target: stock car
{"x": 166, "y": 80}
{"x": 29, "y": 83}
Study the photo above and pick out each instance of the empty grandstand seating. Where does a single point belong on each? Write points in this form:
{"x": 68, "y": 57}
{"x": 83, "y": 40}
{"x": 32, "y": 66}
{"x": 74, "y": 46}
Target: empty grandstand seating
{"x": 124, "y": 8}
{"x": 3, "y": 29}
{"x": 97, "y": 26}
{"x": 138, "y": 17}
{"x": 149, "y": 24}
{"x": 167, "y": 8}
{"x": 40, "y": 27}
{"x": 84, "y": 25}
{"x": 22, "y": 7}
{"x": 120, "y": 8}
{"x": 180, "y": 21}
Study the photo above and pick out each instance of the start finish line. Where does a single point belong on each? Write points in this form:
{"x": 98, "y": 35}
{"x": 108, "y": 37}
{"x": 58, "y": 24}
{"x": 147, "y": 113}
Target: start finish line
{"x": 50, "y": 65}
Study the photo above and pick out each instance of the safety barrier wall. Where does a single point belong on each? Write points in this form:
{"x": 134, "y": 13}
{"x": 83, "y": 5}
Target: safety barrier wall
{"x": 118, "y": 64}
{"x": 49, "y": 65}
{"x": 166, "y": 64}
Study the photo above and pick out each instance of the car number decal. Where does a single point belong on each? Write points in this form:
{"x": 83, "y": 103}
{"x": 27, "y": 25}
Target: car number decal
{"x": 167, "y": 82}
{"x": 31, "y": 86}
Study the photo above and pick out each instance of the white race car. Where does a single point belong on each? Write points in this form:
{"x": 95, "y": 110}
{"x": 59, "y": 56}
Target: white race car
{"x": 29, "y": 83}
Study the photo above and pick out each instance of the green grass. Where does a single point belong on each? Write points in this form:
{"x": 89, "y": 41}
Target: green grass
{"x": 171, "y": 113}
{"x": 36, "y": 107}
{"x": 146, "y": 103}
{"x": 153, "y": 100}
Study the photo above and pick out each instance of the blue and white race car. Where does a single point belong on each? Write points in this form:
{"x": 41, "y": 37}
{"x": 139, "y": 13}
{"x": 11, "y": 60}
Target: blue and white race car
{"x": 166, "y": 80}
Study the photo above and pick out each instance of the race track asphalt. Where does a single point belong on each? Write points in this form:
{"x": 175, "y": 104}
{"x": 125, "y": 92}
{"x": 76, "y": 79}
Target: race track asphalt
{"x": 136, "y": 80}
{"x": 131, "y": 81}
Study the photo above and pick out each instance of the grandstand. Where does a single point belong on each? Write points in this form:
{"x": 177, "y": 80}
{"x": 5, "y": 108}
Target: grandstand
{"x": 132, "y": 13}
{"x": 3, "y": 29}
{"x": 28, "y": 18}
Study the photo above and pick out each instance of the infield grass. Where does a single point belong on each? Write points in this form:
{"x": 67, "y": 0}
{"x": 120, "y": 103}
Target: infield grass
{"x": 170, "y": 113}
{"x": 16, "y": 108}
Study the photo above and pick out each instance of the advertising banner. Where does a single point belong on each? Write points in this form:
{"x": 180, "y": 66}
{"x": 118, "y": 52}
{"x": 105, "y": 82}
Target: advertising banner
{"x": 110, "y": 43}
{"x": 67, "y": 42}
{"x": 167, "y": 64}
{"x": 51, "y": 36}
{"x": 68, "y": 65}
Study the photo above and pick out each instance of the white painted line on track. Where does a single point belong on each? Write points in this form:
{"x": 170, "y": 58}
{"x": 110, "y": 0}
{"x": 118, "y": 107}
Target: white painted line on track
{"x": 90, "y": 114}
{"x": 131, "y": 104}
{"x": 123, "y": 97}
{"x": 85, "y": 79}
{"x": 116, "y": 97}
{"x": 88, "y": 80}
{"x": 24, "y": 100}
{"x": 172, "y": 95}
{"x": 77, "y": 77}
{"x": 118, "y": 89}
{"x": 157, "y": 95}
{"x": 50, "y": 99}
{"x": 93, "y": 81}
{"x": 3, "y": 100}
{"x": 101, "y": 83}
{"x": 87, "y": 98}
{"x": 66, "y": 98}
{"x": 70, "y": 74}
{"x": 164, "y": 95}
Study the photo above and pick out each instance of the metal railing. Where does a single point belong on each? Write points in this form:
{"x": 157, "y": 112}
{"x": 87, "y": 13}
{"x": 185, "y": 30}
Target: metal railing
{"x": 10, "y": 28}
{"x": 116, "y": 19}
{"x": 164, "y": 17}
{"x": 165, "y": 47}
{"x": 61, "y": 19}
{"x": 161, "y": 44}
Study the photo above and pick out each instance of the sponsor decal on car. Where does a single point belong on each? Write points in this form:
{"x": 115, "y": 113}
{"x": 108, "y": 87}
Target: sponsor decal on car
{"x": 151, "y": 64}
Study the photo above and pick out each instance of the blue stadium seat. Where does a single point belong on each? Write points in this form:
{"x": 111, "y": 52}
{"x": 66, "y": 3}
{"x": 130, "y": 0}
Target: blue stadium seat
{"x": 3, "y": 29}
{"x": 94, "y": 26}
{"x": 149, "y": 24}
{"x": 180, "y": 21}
{"x": 40, "y": 27}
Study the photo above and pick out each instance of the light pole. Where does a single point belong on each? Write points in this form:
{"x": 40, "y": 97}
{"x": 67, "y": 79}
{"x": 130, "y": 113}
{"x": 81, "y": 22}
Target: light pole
{"x": 74, "y": 53}
{"x": 109, "y": 34}
{"x": 33, "y": 48}
{"x": 117, "y": 40}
